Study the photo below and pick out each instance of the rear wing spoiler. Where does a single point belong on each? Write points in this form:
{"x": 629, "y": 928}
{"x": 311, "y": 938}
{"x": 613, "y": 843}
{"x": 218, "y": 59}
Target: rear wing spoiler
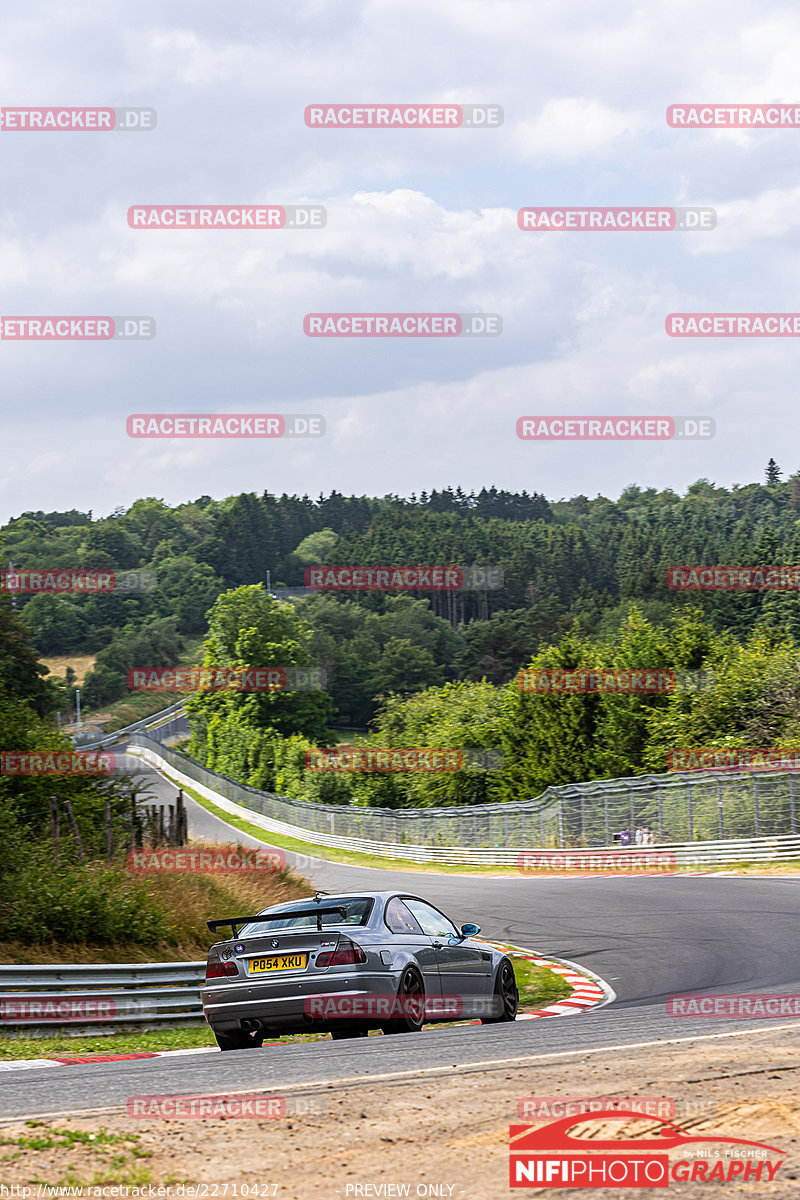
{"x": 236, "y": 922}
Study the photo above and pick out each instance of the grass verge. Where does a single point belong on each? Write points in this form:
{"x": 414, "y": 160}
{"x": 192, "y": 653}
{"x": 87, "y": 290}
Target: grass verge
{"x": 348, "y": 857}
{"x": 355, "y": 859}
{"x": 538, "y": 987}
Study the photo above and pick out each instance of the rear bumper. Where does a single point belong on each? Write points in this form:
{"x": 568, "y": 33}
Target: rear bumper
{"x": 297, "y": 1005}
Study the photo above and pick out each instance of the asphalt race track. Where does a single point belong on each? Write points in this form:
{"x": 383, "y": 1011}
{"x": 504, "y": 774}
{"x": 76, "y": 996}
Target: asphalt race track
{"x": 649, "y": 938}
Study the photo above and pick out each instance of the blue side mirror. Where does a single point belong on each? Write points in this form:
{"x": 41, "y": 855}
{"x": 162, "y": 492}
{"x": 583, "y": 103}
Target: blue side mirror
{"x": 470, "y": 930}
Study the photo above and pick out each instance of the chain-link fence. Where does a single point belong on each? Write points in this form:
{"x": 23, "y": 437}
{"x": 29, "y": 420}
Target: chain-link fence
{"x": 685, "y": 807}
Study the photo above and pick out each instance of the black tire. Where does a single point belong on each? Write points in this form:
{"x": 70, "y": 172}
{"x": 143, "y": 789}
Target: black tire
{"x": 506, "y": 995}
{"x": 238, "y": 1039}
{"x": 410, "y": 988}
{"x": 349, "y": 1031}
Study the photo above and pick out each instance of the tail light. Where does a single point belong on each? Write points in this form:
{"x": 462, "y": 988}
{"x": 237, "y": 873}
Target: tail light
{"x": 215, "y": 970}
{"x": 346, "y": 954}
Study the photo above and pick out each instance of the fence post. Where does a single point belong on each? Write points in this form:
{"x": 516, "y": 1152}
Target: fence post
{"x": 605, "y": 808}
{"x": 792, "y": 801}
{"x": 660, "y": 800}
{"x": 720, "y": 810}
{"x": 73, "y": 828}
{"x": 561, "y": 822}
{"x": 690, "y": 813}
{"x": 109, "y": 840}
{"x": 583, "y": 818}
{"x": 632, "y": 803}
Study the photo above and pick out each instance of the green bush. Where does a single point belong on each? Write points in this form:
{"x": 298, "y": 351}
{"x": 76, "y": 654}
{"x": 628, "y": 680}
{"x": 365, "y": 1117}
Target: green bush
{"x": 94, "y": 903}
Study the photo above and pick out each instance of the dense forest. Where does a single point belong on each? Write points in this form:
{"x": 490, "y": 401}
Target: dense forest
{"x": 585, "y": 582}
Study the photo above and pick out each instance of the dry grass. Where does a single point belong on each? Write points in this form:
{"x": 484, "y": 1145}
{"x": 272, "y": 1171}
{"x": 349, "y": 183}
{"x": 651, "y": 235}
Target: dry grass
{"x": 80, "y": 663}
{"x": 189, "y": 900}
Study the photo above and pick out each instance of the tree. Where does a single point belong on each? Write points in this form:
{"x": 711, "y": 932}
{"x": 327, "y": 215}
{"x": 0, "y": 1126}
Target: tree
{"x": 233, "y": 730}
{"x": 404, "y": 667}
{"x": 20, "y": 672}
{"x": 317, "y": 547}
{"x": 773, "y": 473}
{"x": 58, "y": 625}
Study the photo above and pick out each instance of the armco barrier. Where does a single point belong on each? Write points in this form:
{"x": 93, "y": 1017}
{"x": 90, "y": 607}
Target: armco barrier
{"x": 258, "y": 808}
{"x": 38, "y": 999}
{"x": 146, "y": 723}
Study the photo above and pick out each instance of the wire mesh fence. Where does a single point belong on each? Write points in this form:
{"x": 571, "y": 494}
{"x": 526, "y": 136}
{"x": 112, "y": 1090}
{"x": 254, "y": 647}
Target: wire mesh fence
{"x": 687, "y": 807}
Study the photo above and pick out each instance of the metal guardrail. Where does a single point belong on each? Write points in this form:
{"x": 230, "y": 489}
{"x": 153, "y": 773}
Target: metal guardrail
{"x": 102, "y": 997}
{"x": 687, "y": 854}
{"x": 151, "y": 722}
{"x": 690, "y": 807}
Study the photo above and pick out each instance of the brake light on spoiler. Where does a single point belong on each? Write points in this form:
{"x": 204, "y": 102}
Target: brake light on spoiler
{"x": 346, "y": 954}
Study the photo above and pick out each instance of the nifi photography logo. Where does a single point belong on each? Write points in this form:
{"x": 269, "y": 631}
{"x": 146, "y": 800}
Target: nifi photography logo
{"x": 548, "y": 1156}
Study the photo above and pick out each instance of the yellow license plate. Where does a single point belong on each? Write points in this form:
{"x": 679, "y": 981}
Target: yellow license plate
{"x": 277, "y": 962}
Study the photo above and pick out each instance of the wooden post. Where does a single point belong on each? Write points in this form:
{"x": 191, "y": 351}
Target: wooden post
{"x": 181, "y": 812}
{"x": 73, "y": 828}
{"x": 137, "y": 840}
{"x": 54, "y": 826}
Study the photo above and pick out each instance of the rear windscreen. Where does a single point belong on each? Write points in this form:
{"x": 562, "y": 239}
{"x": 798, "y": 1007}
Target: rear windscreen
{"x": 357, "y": 910}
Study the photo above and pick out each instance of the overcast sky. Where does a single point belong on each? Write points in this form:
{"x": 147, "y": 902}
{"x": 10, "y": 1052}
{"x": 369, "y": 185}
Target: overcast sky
{"x": 418, "y": 221}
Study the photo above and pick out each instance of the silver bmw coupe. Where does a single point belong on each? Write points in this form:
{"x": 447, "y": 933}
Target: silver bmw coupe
{"x": 345, "y": 964}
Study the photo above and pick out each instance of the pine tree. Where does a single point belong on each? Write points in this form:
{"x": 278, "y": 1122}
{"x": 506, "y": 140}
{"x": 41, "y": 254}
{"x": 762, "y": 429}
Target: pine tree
{"x": 773, "y": 473}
